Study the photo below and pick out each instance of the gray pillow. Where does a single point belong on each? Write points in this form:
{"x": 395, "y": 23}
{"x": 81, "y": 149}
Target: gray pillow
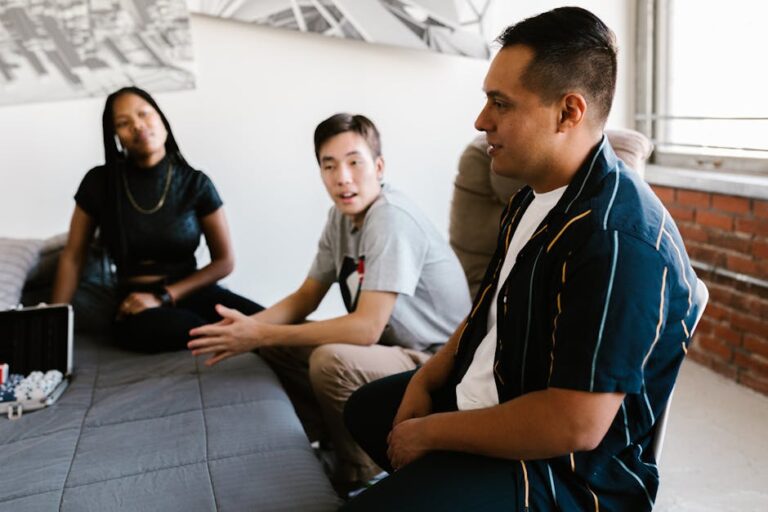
{"x": 43, "y": 273}
{"x": 17, "y": 257}
{"x": 95, "y": 299}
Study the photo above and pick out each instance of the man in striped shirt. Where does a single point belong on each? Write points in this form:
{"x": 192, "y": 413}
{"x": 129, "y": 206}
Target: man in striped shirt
{"x": 547, "y": 395}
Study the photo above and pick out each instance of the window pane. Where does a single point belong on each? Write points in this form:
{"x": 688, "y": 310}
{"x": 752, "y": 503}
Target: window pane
{"x": 716, "y": 68}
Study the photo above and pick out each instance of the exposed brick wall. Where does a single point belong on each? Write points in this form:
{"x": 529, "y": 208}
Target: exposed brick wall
{"x": 728, "y": 233}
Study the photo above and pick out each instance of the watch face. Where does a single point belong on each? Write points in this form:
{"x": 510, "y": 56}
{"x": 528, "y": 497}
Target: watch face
{"x": 165, "y": 298}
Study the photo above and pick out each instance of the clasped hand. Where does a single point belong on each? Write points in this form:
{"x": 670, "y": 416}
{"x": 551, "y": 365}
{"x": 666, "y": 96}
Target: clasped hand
{"x": 137, "y": 302}
{"x": 234, "y": 334}
{"x": 407, "y": 441}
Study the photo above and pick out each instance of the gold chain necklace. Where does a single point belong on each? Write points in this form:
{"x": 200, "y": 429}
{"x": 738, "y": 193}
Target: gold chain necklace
{"x": 168, "y": 175}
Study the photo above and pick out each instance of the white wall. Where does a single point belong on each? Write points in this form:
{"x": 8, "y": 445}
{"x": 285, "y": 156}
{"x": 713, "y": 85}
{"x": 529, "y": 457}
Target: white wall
{"x": 249, "y": 125}
{"x": 619, "y": 15}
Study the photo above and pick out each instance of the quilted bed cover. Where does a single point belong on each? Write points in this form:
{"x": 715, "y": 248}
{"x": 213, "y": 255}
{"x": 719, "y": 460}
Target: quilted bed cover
{"x": 162, "y": 432}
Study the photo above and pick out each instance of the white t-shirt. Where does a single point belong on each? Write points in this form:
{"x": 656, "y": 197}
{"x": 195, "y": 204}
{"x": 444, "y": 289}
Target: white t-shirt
{"x": 478, "y": 387}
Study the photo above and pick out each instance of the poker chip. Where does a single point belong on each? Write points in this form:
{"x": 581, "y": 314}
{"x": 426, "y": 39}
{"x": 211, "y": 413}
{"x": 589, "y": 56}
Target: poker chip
{"x": 7, "y": 389}
{"x": 37, "y": 385}
{"x": 37, "y": 390}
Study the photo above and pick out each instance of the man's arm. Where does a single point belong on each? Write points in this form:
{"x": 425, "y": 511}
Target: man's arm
{"x": 536, "y": 425}
{"x": 237, "y": 333}
{"x": 363, "y": 326}
{"x": 417, "y": 401}
{"x": 297, "y": 306}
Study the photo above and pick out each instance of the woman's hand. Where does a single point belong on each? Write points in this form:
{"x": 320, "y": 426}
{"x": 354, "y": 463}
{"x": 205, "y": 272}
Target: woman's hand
{"x": 137, "y": 302}
{"x": 235, "y": 334}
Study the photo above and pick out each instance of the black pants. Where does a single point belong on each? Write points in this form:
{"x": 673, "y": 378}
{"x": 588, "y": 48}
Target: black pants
{"x": 167, "y": 328}
{"x": 439, "y": 481}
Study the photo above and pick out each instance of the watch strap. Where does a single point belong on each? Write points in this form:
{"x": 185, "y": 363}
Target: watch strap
{"x": 166, "y": 299}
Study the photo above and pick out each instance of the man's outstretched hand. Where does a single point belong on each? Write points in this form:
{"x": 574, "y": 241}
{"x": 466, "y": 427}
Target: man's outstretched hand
{"x": 234, "y": 334}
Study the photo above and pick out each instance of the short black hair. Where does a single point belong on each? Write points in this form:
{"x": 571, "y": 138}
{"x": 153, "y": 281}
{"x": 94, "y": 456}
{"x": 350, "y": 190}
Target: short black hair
{"x": 342, "y": 123}
{"x": 111, "y": 152}
{"x": 573, "y": 51}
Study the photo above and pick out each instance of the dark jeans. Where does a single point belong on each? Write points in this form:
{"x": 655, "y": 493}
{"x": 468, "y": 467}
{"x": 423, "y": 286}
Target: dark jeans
{"x": 167, "y": 328}
{"x": 439, "y": 481}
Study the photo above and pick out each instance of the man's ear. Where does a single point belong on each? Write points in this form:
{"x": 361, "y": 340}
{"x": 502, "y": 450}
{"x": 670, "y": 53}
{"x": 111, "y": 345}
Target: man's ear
{"x": 573, "y": 111}
{"x": 379, "y": 167}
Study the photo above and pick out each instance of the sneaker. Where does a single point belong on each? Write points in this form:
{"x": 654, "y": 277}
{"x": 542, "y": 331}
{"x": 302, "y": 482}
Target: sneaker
{"x": 366, "y": 485}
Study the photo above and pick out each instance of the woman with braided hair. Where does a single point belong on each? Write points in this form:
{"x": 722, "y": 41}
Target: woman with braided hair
{"x": 150, "y": 207}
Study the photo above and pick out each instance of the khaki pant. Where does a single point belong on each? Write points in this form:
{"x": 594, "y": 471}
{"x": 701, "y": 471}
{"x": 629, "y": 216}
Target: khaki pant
{"x": 320, "y": 379}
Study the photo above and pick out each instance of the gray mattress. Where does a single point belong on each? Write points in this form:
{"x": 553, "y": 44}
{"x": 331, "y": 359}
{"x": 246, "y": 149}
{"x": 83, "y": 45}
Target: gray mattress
{"x": 162, "y": 432}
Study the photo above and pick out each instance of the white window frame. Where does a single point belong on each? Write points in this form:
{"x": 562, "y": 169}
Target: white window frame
{"x": 651, "y": 79}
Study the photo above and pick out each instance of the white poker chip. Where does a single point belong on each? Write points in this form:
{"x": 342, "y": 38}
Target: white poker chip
{"x": 37, "y": 385}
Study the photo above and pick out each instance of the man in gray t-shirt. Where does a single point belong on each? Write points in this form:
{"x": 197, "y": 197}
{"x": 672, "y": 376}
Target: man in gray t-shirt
{"x": 393, "y": 269}
{"x": 395, "y": 250}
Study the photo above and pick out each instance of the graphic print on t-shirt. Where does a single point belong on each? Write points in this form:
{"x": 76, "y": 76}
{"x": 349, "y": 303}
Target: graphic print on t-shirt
{"x": 351, "y": 281}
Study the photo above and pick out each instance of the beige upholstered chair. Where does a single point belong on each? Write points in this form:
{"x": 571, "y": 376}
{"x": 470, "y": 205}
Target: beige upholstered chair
{"x": 479, "y": 197}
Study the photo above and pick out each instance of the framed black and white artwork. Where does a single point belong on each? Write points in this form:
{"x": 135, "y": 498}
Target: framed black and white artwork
{"x": 63, "y": 49}
{"x": 447, "y": 26}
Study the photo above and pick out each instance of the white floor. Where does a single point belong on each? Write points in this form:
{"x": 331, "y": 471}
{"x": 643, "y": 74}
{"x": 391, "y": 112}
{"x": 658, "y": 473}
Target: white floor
{"x": 715, "y": 454}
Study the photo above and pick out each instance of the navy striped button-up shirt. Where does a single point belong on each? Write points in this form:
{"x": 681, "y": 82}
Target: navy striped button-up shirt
{"x": 599, "y": 299}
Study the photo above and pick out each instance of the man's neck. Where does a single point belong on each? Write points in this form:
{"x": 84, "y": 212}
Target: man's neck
{"x": 567, "y": 166}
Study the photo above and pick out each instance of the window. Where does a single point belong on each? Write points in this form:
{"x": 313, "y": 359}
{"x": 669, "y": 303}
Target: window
{"x": 702, "y": 83}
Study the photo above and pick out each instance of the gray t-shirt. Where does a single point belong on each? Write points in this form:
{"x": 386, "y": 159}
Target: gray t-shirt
{"x": 396, "y": 250}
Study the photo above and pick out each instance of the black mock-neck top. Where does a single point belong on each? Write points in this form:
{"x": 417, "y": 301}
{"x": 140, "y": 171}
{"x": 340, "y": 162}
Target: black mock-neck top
{"x": 119, "y": 197}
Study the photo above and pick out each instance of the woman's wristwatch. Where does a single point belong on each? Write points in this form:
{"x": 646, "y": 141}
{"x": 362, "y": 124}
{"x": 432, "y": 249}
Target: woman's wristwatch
{"x": 166, "y": 299}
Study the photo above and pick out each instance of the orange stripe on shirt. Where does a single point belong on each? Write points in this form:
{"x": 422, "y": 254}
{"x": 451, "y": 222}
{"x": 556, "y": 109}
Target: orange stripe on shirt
{"x": 525, "y": 477}
{"x": 543, "y": 229}
{"x": 554, "y": 240}
{"x": 597, "y": 503}
{"x": 461, "y": 335}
